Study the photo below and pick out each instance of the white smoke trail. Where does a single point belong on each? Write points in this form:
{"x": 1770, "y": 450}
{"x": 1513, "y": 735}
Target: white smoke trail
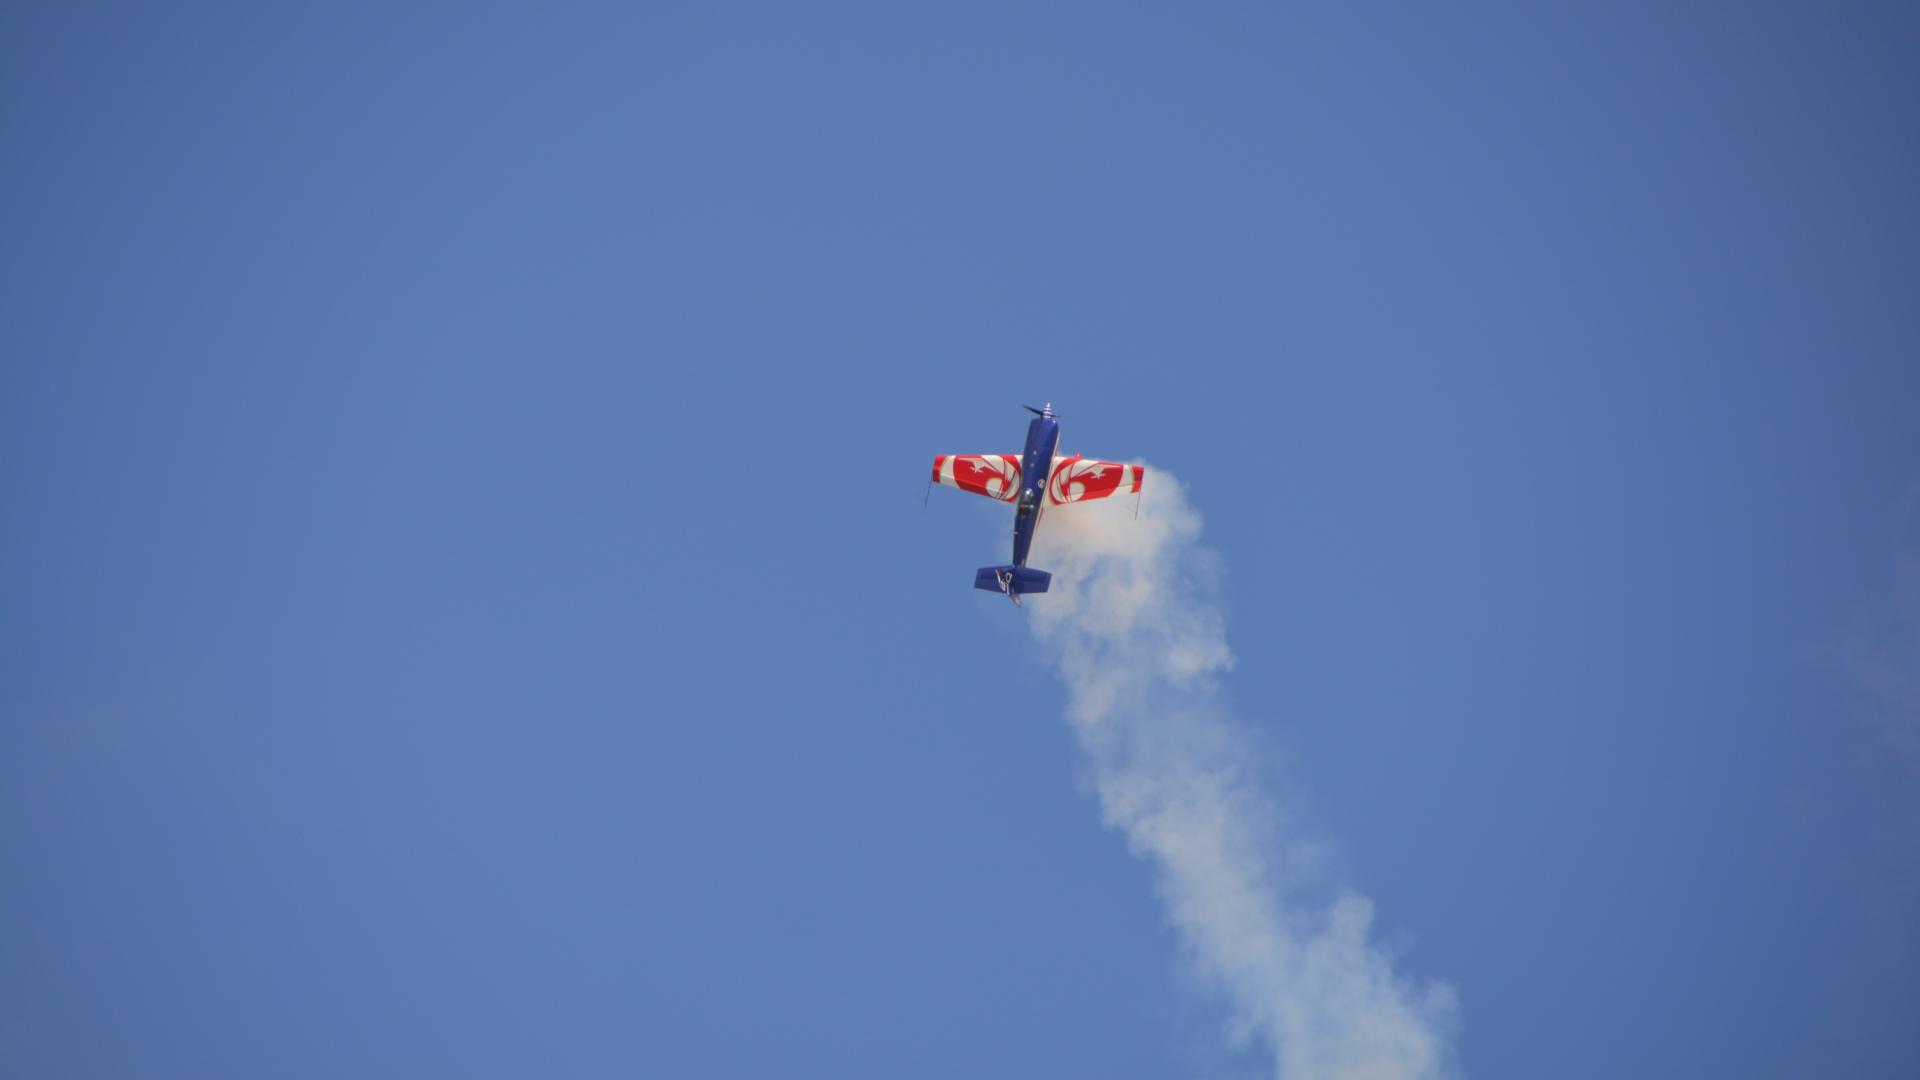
{"x": 1139, "y": 645}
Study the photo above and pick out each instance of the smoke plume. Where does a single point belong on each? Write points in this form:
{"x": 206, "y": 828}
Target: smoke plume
{"x": 1140, "y": 646}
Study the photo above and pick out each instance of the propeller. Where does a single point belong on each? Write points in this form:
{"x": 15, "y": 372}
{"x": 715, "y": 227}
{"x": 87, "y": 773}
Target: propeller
{"x": 1048, "y": 411}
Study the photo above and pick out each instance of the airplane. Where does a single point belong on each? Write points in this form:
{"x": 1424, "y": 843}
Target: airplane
{"x": 998, "y": 476}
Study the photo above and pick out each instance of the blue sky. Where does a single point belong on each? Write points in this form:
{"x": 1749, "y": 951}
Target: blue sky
{"x": 468, "y": 611}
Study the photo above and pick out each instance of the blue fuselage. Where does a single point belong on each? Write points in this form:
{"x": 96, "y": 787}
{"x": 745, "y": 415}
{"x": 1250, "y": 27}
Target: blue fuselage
{"x": 1036, "y": 464}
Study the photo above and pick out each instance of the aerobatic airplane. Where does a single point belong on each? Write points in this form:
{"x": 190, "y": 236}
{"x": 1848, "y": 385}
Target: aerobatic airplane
{"x": 1051, "y": 481}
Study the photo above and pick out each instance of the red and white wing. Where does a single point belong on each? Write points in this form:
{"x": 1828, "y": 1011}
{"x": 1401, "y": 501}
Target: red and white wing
{"x": 1076, "y": 479}
{"x": 997, "y": 476}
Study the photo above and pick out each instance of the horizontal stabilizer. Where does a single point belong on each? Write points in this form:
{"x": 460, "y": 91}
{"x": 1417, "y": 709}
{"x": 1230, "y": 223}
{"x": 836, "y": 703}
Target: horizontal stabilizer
{"x": 1012, "y": 580}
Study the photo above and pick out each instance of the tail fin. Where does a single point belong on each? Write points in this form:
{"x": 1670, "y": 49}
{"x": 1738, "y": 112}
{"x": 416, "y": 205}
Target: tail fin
{"x": 1012, "y": 580}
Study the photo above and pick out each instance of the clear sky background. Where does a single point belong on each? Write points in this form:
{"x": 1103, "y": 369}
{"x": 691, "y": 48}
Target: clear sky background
{"x": 466, "y": 607}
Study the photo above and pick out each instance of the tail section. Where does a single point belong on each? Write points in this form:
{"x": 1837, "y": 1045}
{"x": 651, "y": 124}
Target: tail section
{"x": 1012, "y": 580}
